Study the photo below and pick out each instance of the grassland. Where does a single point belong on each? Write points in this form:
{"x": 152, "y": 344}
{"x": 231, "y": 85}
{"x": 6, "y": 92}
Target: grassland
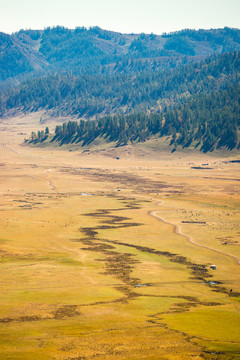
{"x": 105, "y": 258}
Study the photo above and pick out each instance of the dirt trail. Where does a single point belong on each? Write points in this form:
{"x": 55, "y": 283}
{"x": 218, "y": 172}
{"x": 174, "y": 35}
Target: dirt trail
{"x": 50, "y": 184}
{"x": 49, "y": 181}
{"x": 4, "y": 145}
{"x": 177, "y": 230}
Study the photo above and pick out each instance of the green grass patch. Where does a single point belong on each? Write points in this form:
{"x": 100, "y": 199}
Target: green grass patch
{"x": 209, "y": 324}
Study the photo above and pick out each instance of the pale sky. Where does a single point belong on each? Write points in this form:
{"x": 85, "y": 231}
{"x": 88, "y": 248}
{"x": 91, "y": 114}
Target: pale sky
{"x": 126, "y": 16}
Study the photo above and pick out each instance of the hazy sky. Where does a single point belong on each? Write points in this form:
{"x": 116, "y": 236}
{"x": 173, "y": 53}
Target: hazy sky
{"x": 127, "y": 16}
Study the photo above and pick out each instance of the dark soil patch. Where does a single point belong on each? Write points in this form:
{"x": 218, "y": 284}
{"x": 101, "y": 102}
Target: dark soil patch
{"x": 20, "y": 319}
{"x": 201, "y": 168}
{"x": 193, "y": 222}
{"x": 125, "y": 180}
{"x": 66, "y": 311}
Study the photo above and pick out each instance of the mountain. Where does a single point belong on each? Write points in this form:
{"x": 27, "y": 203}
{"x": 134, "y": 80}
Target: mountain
{"x": 94, "y": 50}
{"x": 91, "y": 96}
{"x": 134, "y": 86}
{"x": 18, "y": 58}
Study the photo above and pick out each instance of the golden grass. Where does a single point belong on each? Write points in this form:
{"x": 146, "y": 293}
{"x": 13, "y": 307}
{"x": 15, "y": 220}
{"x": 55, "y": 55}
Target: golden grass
{"x": 91, "y": 272}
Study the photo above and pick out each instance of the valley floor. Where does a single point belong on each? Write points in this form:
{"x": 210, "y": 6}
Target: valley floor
{"x": 110, "y": 259}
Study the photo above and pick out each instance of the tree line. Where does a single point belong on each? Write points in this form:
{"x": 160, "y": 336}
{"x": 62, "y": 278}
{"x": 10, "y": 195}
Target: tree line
{"x": 205, "y": 121}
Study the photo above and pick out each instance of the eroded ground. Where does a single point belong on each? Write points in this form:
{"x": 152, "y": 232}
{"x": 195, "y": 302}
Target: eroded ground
{"x": 105, "y": 258}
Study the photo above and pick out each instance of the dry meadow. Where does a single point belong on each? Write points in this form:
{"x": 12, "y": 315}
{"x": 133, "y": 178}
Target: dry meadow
{"x": 105, "y": 254}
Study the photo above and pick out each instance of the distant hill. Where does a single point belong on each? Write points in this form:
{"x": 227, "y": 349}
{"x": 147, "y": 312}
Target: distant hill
{"x": 91, "y": 96}
{"x": 100, "y": 51}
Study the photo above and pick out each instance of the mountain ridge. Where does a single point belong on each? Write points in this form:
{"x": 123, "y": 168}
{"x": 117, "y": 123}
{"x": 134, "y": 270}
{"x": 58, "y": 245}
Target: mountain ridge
{"x": 95, "y": 50}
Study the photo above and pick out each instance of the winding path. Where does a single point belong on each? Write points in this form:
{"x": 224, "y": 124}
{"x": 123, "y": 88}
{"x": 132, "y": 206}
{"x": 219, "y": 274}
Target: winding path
{"x": 4, "y": 145}
{"x": 49, "y": 181}
{"x": 177, "y": 230}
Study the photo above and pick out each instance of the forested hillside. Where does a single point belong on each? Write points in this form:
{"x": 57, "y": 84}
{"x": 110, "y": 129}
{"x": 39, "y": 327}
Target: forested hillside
{"x": 205, "y": 121}
{"x": 130, "y": 87}
{"x": 89, "y": 96}
{"x": 97, "y": 51}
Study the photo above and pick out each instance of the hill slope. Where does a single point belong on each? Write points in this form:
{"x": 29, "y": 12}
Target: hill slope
{"x": 90, "y": 96}
{"x": 184, "y": 84}
{"x": 100, "y": 51}
{"x": 205, "y": 121}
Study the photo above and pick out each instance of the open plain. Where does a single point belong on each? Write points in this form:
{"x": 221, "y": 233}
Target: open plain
{"x": 106, "y": 254}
